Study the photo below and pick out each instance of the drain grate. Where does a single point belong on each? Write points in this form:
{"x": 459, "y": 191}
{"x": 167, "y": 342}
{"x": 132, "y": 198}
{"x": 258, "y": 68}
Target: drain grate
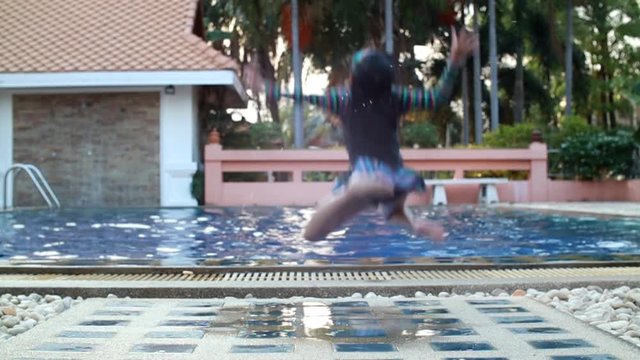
{"x": 333, "y": 276}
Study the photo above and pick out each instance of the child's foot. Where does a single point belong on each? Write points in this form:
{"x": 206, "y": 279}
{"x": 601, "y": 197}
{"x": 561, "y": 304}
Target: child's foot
{"x": 430, "y": 229}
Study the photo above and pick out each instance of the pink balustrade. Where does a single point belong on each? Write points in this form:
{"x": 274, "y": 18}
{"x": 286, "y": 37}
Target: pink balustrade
{"x": 296, "y": 191}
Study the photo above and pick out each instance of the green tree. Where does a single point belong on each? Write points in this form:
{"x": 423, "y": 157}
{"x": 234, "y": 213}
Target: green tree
{"x": 603, "y": 29}
{"x": 243, "y": 28}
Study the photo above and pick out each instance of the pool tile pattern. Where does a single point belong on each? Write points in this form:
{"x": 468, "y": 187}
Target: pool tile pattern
{"x": 87, "y": 334}
{"x": 364, "y": 347}
{"x": 376, "y": 329}
{"x": 559, "y": 344}
{"x": 163, "y": 348}
{"x": 462, "y": 346}
{"x": 262, "y": 349}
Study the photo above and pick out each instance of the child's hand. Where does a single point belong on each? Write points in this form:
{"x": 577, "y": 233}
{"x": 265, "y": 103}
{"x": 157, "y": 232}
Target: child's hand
{"x": 462, "y": 45}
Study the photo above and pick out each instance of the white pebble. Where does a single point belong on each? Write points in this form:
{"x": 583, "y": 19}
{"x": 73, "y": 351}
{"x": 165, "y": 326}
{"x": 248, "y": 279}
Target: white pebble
{"x": 443, "y": 294}
{"x": 10, "y": 321}
{"x": 356, "y": 295}
{"x": 616, "y": 325}
{"x": 625, "y": 317}
{"x": 633, "y": 333}
{"x": 497, "y": 292}
{"x": 16, "y": 330}
{"x": 36, "y": 316}
{"x": 420, "y": 294}
{"x": 616, "y": 311}
{"x": 52, "y": 298}
{"x": 35, "y": 297}
{"x": 68, "y": 301}
{"x": 29, "y": 323}
{"x": 544, "y": 298}
{"x": 370, "y": 295}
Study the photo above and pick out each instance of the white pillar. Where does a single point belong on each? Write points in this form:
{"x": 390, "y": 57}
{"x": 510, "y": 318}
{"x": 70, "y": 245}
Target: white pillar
{"x": 6, "y": 138}
{"x": 177, "y": 161}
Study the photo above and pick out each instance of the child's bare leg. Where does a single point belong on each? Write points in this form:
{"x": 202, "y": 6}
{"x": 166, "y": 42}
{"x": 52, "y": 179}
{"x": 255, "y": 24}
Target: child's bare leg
{"x": 402, "y": 215}
{"x": 333, "y": 213}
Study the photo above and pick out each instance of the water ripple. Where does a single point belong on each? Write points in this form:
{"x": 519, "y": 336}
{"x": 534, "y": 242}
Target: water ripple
{"x": 188, "y": 236}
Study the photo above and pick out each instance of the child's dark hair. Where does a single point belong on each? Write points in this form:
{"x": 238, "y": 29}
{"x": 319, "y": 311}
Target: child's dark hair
{"x": 372, "y": 74}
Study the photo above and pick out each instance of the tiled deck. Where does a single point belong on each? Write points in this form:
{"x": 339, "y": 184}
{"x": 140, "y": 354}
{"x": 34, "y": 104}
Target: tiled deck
{"x": 378, "y": 328}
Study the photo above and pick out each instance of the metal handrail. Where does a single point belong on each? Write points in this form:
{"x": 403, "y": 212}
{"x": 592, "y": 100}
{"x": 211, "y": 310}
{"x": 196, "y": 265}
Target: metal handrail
{"x": 38, "y": 180}
{"x": 44, "y": 183}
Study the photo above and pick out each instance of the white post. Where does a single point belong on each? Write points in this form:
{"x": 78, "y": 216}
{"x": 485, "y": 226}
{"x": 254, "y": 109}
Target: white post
{"x": 177, "y": 159}
{"x": 388, "y": 26}
{"x": 6, "y": 140}
{"x": 297, "y": 77}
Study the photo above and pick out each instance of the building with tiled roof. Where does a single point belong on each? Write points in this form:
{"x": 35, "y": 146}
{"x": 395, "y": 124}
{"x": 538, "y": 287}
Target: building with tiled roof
{"x": 102, "y": 96}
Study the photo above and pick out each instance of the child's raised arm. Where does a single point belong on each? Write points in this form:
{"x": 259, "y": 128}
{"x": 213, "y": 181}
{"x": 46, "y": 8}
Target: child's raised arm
{"x": 428, "y": 99}
{"x": 335, "y": 100}
{"x": 462, "y": 45}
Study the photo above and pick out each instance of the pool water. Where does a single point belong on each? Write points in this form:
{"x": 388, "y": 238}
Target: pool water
{"x": 268, "y": 236}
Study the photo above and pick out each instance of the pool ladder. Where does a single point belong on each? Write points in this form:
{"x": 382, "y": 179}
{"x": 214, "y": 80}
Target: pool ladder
{"x": 38, "y": 180}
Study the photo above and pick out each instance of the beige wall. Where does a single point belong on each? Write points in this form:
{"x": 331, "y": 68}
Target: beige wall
{"x": 95, "y": 149}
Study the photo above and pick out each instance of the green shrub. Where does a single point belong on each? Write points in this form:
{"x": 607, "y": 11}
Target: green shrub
{"x": 266, "y": 135}
{"x": 423, "y": 134}
{"x": 597, "y": 155}
{"x": 507, "y": 136}
{"x": 569, "y": 126}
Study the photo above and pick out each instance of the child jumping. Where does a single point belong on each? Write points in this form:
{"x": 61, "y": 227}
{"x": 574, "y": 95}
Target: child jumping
{"x": 370, "y": 109}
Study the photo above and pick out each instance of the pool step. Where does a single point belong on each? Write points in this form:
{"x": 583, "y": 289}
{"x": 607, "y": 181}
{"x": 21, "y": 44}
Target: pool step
{"x": 203, "y": 282}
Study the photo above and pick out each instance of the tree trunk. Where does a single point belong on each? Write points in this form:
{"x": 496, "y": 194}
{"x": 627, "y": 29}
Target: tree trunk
{"x": 612, "y": 110}
{"x": 493, "y": 60}
{"x": 268, "y": 72}
{"x": 518, "y": 91}
{"x": 603, "y": 102}
{"x": 551, "y": 119}
{"x": 465, "y": 92}
{"x": 518, "y": 109}
{"x": 569, "y": 59}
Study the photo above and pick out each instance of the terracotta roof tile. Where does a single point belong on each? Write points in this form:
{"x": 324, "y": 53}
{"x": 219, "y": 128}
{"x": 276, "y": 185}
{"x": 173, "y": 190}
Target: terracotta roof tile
{"x": 106, "y": 35}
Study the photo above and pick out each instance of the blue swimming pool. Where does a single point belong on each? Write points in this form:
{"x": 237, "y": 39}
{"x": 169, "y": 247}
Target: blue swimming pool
{"x": 255, "y": 236}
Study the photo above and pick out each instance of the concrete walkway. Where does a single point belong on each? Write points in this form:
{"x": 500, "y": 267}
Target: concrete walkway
{"x": 631, "y": 209}
{"x": 377, "y": 328}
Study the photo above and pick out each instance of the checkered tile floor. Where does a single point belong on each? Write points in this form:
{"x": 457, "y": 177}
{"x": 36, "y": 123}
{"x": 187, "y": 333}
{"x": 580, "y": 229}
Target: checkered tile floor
{"x": 452, "y": 328}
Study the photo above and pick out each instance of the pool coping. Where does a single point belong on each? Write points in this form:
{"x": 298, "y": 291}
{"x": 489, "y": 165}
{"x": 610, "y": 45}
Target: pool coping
{"x": 201, "y": 269}
{"x": 335, "y": 282}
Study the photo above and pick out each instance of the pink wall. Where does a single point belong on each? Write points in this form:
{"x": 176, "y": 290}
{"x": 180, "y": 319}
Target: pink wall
{"x": 537, "y": 188}
{"x": 633, "y": 190}
{"x": 609, "y": 190}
